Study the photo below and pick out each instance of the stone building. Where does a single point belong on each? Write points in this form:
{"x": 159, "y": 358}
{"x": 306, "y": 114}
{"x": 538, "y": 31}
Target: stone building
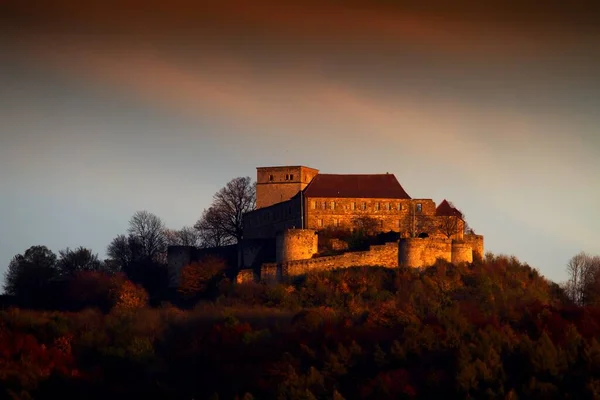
{"x": 298, "y": 197}
{"x": 295, "y": 204}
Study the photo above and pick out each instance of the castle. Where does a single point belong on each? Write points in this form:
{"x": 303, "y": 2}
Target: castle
{"x": 294, "y": 204}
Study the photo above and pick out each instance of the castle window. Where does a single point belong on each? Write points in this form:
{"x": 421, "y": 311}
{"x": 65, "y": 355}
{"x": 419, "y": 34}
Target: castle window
{"x": 387, "y": 206}
{"x": 353, "y": 206}
{"x": 287, "y": 177}
{"x": 291, "y": 177}
{"x": 324, "y": 205}
{"x": 313, "y": 204}
{"x": 271, "y": 178}
{"x": 364, "y": 206}
{"x": 399, "y": 206}
{"x": 336, "y": 222}
{"x": 332, "y": 205}
{"x": 320, "y": 222}
{"x": 419, "y": 207}
{"x": 377, "y": 206}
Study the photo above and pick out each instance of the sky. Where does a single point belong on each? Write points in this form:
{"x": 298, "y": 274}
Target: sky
{"x": 107, "y": 108}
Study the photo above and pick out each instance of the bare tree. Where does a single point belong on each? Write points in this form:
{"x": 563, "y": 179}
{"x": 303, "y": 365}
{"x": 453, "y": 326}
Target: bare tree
{"x": 222, "y": 222}
{"x": 149, "y": 230}
{"x": 452, "y": 221}
{"x": 449, "y": 225}
{"x": 366, "y": 225}
{"x": 584, "y": 279}
{"x": 186, "y": 236}
{"x": 211, "y": 229}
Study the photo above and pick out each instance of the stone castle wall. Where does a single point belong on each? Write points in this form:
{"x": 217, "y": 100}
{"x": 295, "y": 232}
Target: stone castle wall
{"x": 408, "y": 252}
{"x": 476, "y": 243}
{"x": 295, "y": 244}
{"x": 380, "y": 255}
{"x": 418, "y": 252}
{"x": 398, "y": 215}
{"x": 177, "y": 258}
{"x": 277, "y": 184}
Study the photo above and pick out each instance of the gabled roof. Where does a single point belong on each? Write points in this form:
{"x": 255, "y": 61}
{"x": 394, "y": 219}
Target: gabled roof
{"x": 377, "y": 186}
{"x": 446, "y": 210}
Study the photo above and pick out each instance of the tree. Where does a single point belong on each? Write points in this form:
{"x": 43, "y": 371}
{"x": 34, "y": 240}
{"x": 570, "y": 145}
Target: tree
{"x": 222, "y": 222}
{"x": 122, "y": 251}
{"x": 186, "y": 236}
{"x": 196, "y": 278}
{"x": 211, "y": 229}
{"x": 29, "y": 274}
{"x": 80, "y": 259}
{"x": 452, "y": 221}
{"x": 584, "y": 279}
{"x": 149, "y": 230}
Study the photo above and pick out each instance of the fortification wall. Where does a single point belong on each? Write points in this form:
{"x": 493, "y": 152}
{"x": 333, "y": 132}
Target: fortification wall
{"x": 381, "y": 255}
{"x": 398, "y": 215}
{"x": 296, "y": 244}
{"x": 461, "y": 252}
{"x": 422, "y": 252}
{"x": 476, "y": 244}
{"x": 408, "y": 252}
{"x": 270, "y": 273}
{"x": 177, "y": 258}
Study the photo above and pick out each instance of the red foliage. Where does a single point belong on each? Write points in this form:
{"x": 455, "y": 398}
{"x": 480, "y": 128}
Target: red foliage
{"x": 389, "y": 385}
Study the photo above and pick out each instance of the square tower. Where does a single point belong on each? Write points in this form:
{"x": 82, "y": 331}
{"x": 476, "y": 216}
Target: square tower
{"x": 277, "y": 184}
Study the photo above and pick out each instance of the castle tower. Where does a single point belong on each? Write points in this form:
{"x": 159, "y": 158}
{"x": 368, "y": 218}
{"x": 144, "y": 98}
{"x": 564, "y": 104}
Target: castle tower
{"x": 277, "y": 184}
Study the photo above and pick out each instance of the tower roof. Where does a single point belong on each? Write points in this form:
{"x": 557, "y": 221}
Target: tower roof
{"x": 447, "y": 210}
{"x": 379, "y": 186}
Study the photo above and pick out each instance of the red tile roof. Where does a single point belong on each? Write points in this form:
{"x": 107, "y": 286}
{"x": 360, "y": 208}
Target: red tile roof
{"x": 445, "y": 209}
{"x": 377, "y": 186}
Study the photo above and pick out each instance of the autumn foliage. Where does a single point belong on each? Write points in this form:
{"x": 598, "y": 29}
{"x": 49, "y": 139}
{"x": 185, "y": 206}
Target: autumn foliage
{"x": 492, "y": 329}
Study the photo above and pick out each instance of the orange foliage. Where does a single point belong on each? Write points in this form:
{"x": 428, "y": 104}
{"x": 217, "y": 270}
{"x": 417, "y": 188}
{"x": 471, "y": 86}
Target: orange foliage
{"x": 128, "y": 296}
{"x": 196, "y": 276}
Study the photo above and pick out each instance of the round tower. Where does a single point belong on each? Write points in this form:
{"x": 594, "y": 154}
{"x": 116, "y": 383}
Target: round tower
{"x": 409, "y": 252}
{"x": 461, "y": 252}
{"x": 295, "y": 244}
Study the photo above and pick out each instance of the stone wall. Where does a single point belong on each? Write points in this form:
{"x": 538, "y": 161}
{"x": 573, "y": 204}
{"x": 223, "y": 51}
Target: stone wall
{"x": 418, "y": 252}
{"x": 396, "y": 215}
{"x": 461, "y": 252}
{"x": 268, "y": 221}
{"x": 476, "y": 243}
{"x": 380, "y": 255}
{"x": 295, "y": 244}
{"x": 177, "y": 258}
{"x": 277, "y": 184}
{"x": 270, "y": 273}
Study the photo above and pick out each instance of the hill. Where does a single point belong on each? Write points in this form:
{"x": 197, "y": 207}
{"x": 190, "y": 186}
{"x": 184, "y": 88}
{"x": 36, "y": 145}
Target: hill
{"x": 495, "y": 329}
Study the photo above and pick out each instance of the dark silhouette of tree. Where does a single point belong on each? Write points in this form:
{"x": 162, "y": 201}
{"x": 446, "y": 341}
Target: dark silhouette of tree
{"x": 211, "y": 229}
{"x": 80, "y": 259}
{"x": 29, "y": 274}
{"x": 142, "y": 253}
{"x": 122, "y": 251}
{"x": 222, "y": 222}
{"x": 186, "y": 236}
{"x": 149, "y": 231}
{"x": 583, "y": 284}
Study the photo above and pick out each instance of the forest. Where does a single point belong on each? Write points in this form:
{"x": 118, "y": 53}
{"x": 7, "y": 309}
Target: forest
{"x": 492, "y": 329}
